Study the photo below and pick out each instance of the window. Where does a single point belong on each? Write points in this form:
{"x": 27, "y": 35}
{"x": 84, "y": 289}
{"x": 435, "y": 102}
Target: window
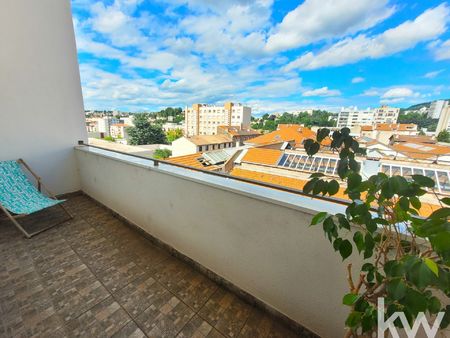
{"x": 289, "y": 161}
{"x": 395, "y": 171}
{"x": 295, "y": 162}
{"x": 444, "y": 181}
{"x": 308, "y": 163}
{"x": 283, "y": 159}
{"x": 406, "y": 173}
{"x": 331, "y": 166}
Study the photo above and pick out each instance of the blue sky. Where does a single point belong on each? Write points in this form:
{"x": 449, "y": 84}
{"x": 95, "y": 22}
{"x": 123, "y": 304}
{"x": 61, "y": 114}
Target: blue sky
{"x": 273, "y": 55}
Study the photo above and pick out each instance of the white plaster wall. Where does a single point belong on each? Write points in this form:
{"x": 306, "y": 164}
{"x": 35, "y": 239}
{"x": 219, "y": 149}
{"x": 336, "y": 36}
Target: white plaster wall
{"x": 182, "y": 146}
{"x": 263, "y": 247}
{"x": 41, "y": 106}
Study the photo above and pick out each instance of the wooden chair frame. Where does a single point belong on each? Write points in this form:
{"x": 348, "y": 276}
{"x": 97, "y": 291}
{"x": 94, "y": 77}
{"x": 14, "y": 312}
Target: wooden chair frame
{"x": 40, "y": 187}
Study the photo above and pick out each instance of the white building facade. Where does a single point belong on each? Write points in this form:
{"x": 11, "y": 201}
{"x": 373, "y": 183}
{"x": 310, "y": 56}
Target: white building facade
{"x": 202, "y": 119}
{"x": 352, "y": 117}
{"x": 386, "y": 114}
{"x": 436, "y": 108}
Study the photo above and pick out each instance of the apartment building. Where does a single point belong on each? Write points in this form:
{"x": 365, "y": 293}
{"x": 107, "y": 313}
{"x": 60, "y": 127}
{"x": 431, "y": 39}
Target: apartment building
{"x": 203, "y": 119}
{"x": 119, "y": 131}
{"x": 436, "y": 108}
{"x": 444, "y": 120}
{"x": 386, "y": 114}
{"x": 352, "y": 117}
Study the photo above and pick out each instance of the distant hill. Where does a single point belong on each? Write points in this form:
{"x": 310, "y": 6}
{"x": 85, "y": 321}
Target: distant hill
{"x": 420, "y": 105}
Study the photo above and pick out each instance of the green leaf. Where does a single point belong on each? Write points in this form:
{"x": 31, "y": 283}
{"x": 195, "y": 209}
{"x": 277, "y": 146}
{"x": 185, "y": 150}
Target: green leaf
{"x": 446, "y": 320}
{"x": 318, "y": 187}
{"x": 415, "y": 301}
{"x": 440, "y": 213}
{"x": 318, "y": 217}
{"x": 358, "y": 238}
{"x": 345, "y": 131}
{"x": 353, "y": 181}
{"x": 350, "y": 299}
{"x": 353, "y": 319}
{"x": 333, "y": 187}
{"x": 403, "y": 202}
{"x": 434, "y": 305}
{"x": 446, "y": 200}
{"x": 423, "y": 181}
{"x": 309, "y": 186}
{"x": 420, "y": 275}
{"x": 396, "y": 288}
{"x": 441, "y": 241}
{"x": 370, "y": 244}
{"x": 322, "y": 134}
{"x": 393, "y": 268}
{"x": 432, "y": 266}
{"x": 345, "y": 249}
{"x": 337, "y": 243}
{"x": 415, "y": 202}
{"x": 313, "y": 149}
{"x": 314, "y": 175}
{"x": 343, "y": 222}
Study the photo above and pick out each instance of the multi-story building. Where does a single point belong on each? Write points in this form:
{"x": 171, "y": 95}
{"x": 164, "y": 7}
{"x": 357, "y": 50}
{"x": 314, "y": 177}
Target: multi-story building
{"x": 119, "y": 131}
{"x": 436, "y": 108}
{"x": 386, "y": 114}
{"x": 444, "y": 120}
{"x": 351, "y": 117}
{"x": 203, "y": 119}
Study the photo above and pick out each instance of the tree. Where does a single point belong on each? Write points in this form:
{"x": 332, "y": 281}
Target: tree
{"x": 270, "y": 125}
{"x": 162, "y": 154}
{"x": 144, "y": 132}
{"x": 174, "y": 134}
{"x": 422, "y": 120}
{"x": 406, "y": 257}
{"x": 444, "y": 136}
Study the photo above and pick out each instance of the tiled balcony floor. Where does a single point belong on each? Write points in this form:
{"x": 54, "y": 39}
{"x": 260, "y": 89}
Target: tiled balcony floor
{"x": 96, "y": 277}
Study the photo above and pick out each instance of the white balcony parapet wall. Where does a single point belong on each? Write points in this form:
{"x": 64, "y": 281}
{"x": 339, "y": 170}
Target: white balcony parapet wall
{"x": 41, "y": 106}
{"x": 255, "y": 237}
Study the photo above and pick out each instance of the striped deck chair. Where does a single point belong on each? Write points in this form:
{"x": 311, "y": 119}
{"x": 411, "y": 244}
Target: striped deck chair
{"x": 19, "y": 197}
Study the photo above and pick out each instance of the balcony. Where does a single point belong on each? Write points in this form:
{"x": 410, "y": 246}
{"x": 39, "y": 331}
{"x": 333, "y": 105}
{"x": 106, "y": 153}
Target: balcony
{"x": 177, "y": 252}
{"x": 95, "y": 276}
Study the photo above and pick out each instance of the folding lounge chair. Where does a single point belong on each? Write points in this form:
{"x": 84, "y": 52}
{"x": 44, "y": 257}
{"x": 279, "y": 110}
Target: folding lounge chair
{"x": 19, "y": 197}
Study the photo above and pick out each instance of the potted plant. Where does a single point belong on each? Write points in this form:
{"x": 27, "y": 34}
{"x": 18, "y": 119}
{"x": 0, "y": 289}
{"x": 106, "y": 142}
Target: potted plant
{"x": 406, "y": 256}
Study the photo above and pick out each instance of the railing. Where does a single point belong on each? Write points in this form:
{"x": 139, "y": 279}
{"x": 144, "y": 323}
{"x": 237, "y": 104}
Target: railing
{"x": 157, "y": 162}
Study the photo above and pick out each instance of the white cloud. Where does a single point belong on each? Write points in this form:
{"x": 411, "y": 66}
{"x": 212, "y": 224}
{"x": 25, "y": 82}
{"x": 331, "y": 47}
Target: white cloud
{"x": 234, "y": 32}
{"x": 358, "y": 79}
{"x": 324, "y": 91}
{"x": 398, "y": 92}
{"x": 432, "y": 75}
{"x": 441, "y": 50}
{"x": 425, "y": 27}
{"x": 116, "y": 23}
{"x": 371, "y": 92}
{"x": 316, "y": 20}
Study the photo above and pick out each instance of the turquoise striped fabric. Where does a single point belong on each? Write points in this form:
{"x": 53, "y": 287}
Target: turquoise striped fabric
{"x": 17, "y": 193}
